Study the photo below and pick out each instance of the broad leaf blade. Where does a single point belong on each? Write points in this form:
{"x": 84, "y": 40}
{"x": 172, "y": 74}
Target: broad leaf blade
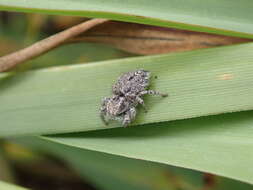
{"x": 223, "y": 17}
{"x": 68, "y": 98}
{"x": 108, "y": 172}
{"x": 111, "y": 172}
{"x": 217, "y": 144}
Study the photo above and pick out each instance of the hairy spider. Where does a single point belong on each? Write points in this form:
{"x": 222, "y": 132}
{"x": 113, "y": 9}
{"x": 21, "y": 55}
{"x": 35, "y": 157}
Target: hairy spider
{"x": 127, "y": 94}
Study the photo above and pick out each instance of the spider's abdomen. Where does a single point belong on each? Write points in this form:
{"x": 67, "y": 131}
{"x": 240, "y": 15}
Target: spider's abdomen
{"x": 132, "y": 82}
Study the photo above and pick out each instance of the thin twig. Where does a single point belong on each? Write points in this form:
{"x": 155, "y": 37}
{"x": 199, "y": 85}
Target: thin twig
{"x": 9, "y": 61}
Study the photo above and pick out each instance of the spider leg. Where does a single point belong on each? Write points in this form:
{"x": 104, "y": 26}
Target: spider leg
{"x": 102, "y": 116}
{"x": 136, "y": 99}
{"x": 103, "y": 111}
{"x": 153, "y": 92}
{"x": 141, "y": 101}
{"x": 129, "y": 116}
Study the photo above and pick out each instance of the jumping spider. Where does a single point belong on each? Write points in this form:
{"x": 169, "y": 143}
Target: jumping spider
{"x": 127, "y": 94}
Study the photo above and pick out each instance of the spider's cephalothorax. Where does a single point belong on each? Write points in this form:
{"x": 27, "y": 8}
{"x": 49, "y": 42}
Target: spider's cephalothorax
{"x": 127, "y": 93}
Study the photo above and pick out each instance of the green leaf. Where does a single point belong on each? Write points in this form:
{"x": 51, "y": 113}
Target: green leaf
{"x": 108, "y": 172}
{"x": 7, "y": 186}
{"x": 217, "y": 144}
{"x": 223, "y": 17}
{"x": 68, "y": 98}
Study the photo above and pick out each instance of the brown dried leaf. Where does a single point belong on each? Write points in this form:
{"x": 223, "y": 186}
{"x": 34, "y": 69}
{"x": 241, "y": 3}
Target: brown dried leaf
{"x": 146, "y": 40}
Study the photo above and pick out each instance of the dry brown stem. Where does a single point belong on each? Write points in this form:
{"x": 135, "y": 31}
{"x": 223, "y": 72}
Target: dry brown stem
{"x": 11, "y": 60}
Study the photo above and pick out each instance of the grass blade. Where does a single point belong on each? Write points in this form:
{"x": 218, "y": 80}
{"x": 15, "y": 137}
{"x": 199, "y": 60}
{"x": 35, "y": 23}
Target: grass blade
{"x": 67, "y": 99}
{"x": 210, "y": 16}
{"x": 216, "y": 144}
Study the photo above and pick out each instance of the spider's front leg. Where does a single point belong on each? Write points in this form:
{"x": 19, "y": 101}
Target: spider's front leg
{"x": 129, "y": 116}
{"x": 103, "y": 110}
